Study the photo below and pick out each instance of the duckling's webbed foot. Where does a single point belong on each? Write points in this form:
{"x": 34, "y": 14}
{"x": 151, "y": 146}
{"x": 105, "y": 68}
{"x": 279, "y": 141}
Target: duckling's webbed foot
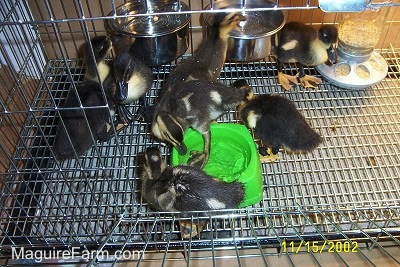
{"x": 106, "y": 134}
{"x": 141, "y": 111}
{"x": 124, "y": 116}
{"x": 310, "y": 81}
{"x": 287, "y": 81}
{"x": 267, "y": 154}
{"x": 190, "y": 229}
{"x": 198, "y": 159}
{"x": 109, "y": 132}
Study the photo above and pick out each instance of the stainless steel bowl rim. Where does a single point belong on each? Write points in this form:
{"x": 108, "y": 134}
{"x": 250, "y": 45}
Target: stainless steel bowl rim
{"x": 185, "y": 16}
{"x": 258, "y": 36}
{"x": 266, "y": 29}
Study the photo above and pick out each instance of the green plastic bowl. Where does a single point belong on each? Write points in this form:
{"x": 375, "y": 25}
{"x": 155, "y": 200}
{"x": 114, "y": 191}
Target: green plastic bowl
{"x": 233, "y": 157}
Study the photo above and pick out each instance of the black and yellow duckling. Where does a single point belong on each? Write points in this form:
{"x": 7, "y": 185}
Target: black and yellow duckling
{"x": 132, "y": 80}
{"x": 185, "y": 188}
{"x": 195, "y": 104}
{"x": 207, "y": 62}
{"x": 300, "y": 43}
{"x": 276, "y": 121}
{"x": 95, "y": 63}
{"x": 78, "y": 129}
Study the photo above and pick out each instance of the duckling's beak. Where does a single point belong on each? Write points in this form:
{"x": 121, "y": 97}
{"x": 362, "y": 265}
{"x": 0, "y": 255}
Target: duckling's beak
{"x": 181, "y": 148}
{"x": 122, "y": 91}
{"x": 332, "y": 55}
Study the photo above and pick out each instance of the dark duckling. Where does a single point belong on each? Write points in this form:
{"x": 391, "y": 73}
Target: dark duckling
{"x": 207, "y": 62}
{"x": 132, "y": 80}
{"x": 78, "y": 129}
{"x": 186, "y": 85}
{"x": 276, "y": 121}
{"x": 185, "y": 188}
{"x": 95, "y": 63}
{"x": 195, "y": 104}
{"x": 300, "y": 43}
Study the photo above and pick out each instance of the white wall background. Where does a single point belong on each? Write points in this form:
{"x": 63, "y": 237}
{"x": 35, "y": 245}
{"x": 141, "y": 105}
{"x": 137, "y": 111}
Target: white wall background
{"x": 20, "y": 43}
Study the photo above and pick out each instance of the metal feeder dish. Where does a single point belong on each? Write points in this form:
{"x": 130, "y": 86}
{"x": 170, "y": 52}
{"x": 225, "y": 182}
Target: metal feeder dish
{"x": 359, "y": 66}
{"x": 351, "y": 74}
{"x": 251, "y": 39}
{"x": 156, "y": 39}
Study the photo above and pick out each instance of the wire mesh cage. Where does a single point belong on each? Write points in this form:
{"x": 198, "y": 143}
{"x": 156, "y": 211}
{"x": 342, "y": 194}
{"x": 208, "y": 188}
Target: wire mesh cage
{"x": 342, "y": 197}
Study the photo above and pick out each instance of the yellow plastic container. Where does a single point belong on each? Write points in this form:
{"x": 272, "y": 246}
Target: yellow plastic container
{"x": 233, "y": 157}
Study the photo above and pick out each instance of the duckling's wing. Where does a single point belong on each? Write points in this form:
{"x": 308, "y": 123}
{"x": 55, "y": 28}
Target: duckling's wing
{"x": 166, "y": 201}
{"x": 75, "y": 98}
{"x": 301, "y": 137}
{"x": 295, "y": 40}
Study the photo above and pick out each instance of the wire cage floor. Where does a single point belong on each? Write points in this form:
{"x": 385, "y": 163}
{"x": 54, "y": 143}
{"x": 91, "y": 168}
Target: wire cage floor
{"x": 347, "y": 189}
{"x": 322, "y": 206}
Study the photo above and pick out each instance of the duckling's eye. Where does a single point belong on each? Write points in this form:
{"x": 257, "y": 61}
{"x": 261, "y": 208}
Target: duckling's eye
{"x": 326, "y": 37}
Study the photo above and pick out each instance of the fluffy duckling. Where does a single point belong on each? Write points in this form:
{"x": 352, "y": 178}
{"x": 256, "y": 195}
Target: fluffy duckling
{"x": 276, "y": 121}
{"x": 195, "y": 104}
{"x": 78, "y": 129}
{"x": 133, "y": 79}
{"x": 297, "y": 42}
{"x": 95, "y": 63}
{"x": 207, "y": 62}
{"x": 170, "y": 120}
{"x": 185, "y": 188}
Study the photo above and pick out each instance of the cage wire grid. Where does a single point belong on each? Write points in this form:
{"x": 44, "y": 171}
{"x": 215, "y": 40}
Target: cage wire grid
{"x": 347, "y": 189}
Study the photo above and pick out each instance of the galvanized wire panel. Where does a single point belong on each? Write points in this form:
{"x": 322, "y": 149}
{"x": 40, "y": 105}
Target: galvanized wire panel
{"x": 347, "y": 188}
{"x": 271, "y": 246}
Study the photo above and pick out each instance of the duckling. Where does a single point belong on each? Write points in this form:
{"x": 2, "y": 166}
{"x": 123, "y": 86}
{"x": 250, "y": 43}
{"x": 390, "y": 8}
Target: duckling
{"x": 205, "y": 65}
{"x": 102, "y": 46}
{"x": 207, "y": 62}
{"x": 133, "y": 79}
{"x": 297, "y": 42}
{"x": 185, "y": 188}
{"x": 277, "y": 122}
{"x": 79, "y": 128}
{"x": 195, "y": 104}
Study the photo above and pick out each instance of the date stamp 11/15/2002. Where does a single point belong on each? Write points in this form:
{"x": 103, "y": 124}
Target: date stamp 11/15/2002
{"x": 320, "y": 246}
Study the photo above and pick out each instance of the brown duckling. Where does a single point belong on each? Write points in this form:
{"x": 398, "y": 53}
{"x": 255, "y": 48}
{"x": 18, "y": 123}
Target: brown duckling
{"x": 207, "y": 62}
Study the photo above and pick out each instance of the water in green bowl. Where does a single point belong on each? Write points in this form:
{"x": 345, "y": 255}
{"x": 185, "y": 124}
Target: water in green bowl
{"x": 233, "y": 157}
